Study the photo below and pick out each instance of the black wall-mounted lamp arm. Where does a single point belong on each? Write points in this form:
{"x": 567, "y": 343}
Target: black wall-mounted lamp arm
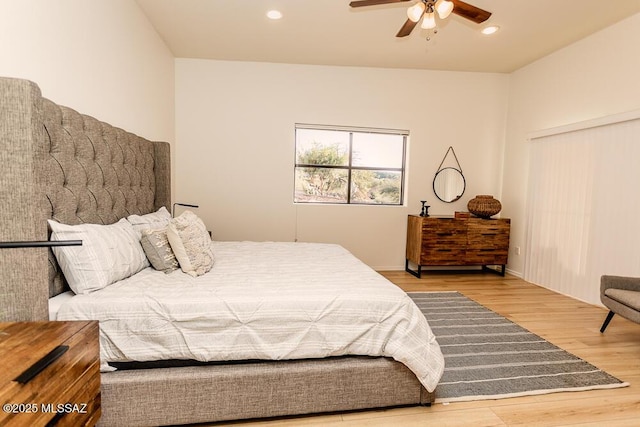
{"x": 40, "y": 244}
{"x": 173, "y": 208}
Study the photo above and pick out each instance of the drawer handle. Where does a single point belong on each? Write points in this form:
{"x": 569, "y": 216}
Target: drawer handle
{"x": 41, "y": 364}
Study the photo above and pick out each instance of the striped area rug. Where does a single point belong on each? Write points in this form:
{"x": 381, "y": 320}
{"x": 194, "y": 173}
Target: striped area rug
{"x": 490, "y": 357}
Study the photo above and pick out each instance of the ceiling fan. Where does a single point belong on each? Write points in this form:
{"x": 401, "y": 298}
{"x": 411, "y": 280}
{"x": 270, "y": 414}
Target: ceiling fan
{"x": 428, "y": 9}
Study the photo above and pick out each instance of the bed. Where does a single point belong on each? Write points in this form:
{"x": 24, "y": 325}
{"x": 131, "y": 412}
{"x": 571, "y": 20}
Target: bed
{"x": 60, "y": 165}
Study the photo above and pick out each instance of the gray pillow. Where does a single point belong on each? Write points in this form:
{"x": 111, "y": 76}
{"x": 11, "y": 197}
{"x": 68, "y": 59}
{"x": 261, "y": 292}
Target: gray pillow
{"x": 156, "y": 247}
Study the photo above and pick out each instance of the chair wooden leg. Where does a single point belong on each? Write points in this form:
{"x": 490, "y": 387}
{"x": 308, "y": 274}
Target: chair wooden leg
{"x": 606, "y": 321}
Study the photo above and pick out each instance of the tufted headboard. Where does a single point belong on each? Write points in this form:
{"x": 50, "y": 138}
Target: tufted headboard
{"x": 57, "y": 163}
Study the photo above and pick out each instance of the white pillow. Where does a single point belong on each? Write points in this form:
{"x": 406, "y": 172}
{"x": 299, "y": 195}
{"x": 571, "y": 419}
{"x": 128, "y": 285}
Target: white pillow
{"x": 151, "y": 221}
{"x": 108, "y": 253}
{"x": 190, "y": 241}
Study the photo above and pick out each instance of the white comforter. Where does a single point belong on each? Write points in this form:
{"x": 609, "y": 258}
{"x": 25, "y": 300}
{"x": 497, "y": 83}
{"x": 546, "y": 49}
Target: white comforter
{"x": 270, "y": 301}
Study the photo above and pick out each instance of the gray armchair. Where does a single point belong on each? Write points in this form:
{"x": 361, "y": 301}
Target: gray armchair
{"x": 621, "y": 295}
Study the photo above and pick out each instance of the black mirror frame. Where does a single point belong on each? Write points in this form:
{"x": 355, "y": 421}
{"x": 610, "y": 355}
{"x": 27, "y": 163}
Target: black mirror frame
{"x": 464, "y": 185}
{"x": 458, "y": 169}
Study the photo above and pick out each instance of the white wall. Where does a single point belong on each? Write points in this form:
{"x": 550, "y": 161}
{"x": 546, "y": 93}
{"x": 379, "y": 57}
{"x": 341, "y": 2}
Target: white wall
{"x": 235, "y": 152}
{"x": 595, "y": 77}
{"x": 103, "y": 58}
{"x": 100, "y": 57}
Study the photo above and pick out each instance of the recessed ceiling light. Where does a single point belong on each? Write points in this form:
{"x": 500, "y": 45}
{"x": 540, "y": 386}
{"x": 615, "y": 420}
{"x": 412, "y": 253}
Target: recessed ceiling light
{"x": 490, "y": 29}
{"x": 274, "y": 14}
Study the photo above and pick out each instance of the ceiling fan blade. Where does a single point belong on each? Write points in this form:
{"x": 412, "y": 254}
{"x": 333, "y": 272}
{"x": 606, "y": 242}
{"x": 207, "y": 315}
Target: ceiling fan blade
{"x": 360, "y": 3}
{"x": 406, "y": 28}
{"x": 470, "y": 12}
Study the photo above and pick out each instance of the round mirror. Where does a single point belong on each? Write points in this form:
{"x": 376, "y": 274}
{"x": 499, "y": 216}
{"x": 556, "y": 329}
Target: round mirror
{"x": 449, "y": 184}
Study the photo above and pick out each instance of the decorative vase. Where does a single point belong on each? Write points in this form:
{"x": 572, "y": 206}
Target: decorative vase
{"x": 484, "y": 206}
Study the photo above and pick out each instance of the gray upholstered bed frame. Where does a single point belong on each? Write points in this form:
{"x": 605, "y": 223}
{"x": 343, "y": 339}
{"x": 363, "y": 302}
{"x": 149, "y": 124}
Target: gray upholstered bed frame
{"x": 57, "y": 163}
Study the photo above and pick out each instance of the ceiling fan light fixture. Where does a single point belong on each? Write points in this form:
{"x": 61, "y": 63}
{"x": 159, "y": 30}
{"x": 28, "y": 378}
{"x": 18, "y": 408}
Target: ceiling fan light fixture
{"x": 414, "y": 13}
{"x": 429, "y": 21}
{"x": 444, "y": 8}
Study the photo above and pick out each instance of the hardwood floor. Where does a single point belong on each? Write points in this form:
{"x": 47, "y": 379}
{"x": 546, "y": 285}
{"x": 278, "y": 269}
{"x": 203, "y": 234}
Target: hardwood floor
{"x": 568, "y": 323}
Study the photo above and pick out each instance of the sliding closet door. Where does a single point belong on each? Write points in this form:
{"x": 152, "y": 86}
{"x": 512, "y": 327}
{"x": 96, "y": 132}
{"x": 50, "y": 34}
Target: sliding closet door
{"x": 583, "y": 208}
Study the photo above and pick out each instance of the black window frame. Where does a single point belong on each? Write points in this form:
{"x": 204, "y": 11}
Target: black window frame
{"x": 350, "y": 167}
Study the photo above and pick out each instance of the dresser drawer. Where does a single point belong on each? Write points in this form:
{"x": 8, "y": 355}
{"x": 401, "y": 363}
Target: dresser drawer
{"x": 443, "y": 233}
{"x": 53, "y": 373}
{"x": 488, "y": 227}
{"x": 443, "y": 226}
{"x": 443, "y": 256}
{"x": 488, "y": 241}
{"x": 486, "y": 256}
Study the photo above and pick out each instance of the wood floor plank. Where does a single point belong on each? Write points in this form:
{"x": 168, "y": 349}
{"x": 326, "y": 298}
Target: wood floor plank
{"x": 481, "y": 417}
{"x": 570, "y": 412}
{"x": 570, "y": 324}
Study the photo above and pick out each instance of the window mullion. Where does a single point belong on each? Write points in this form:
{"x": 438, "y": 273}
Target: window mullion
{"x": 404, "y": 165}
{"x": 372, "y": 168}
{"x": 310, "y": 165}
{"x": 350, "y": 166}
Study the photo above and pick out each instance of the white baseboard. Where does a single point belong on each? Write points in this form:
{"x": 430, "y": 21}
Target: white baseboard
{"x": 461, "y": 268}
{"x": 514, "y": 273}
{"x": 389, "y": 268}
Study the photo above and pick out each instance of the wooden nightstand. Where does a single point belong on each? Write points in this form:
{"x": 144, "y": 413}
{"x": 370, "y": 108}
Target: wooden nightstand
{"x": 50, "y": 373}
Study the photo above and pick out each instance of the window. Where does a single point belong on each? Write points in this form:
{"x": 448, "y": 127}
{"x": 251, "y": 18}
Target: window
{"x": 349, "y": 165}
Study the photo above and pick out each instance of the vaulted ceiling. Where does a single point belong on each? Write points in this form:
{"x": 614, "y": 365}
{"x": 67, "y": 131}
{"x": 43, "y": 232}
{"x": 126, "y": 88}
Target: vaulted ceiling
{"x": 329, "y": 32}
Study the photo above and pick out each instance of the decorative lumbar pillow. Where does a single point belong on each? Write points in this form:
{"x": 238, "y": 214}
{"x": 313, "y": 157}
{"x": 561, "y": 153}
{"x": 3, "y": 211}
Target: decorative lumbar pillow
{"x": 191, "y": 244}
{"x": 108, "y": 253}
{"x": 157, "y": 248}
{"x": 151, "y": 221}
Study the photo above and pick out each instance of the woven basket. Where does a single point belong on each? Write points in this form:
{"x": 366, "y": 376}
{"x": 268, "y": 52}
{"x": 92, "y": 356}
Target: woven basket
{"x": 484, "y": 206}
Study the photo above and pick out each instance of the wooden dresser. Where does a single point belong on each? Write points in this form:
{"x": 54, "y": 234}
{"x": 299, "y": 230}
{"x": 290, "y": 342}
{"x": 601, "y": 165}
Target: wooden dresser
{"x": 449, "y": 241}
{"x": 50, "y": 373}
